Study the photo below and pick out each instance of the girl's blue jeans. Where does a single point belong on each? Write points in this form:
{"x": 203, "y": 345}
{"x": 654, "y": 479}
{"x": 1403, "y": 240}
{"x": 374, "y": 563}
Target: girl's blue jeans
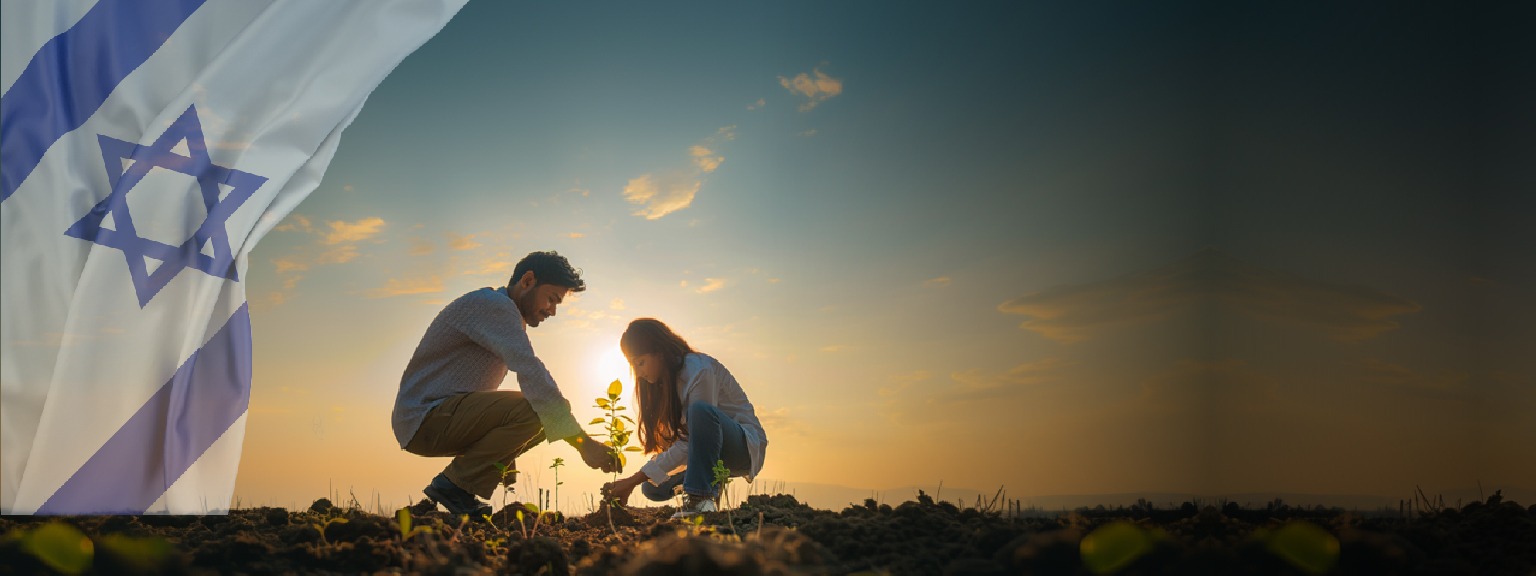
{"x": 712, "y": 436}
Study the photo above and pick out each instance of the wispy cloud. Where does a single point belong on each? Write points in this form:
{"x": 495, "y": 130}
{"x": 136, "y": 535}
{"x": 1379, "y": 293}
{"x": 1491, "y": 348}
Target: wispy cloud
{"x": 499, "y": 263}
{"x": 462, "y": 242}
{"x": 338, "y": 255}
{"x": 335, "y": 243}
{"x": 968, "y": 392}
{"x": 977, "y": 384}
{"x": 711, "y": 285}
{"x": 290, "y": 263}
{"x": 758, "y": 104}
{"x": 422, "y": 247}
{"x": 816, "y": 87}
{"x": 342, "y": 231}
{"x": 661, "y": 195}
{"x": 937, "y": 282}
{"x": 1075, "y": 313}
{"x": 616, "y": 304}
{"x": 408, "y": 286}
{"x": 664, "y": 192}
{"x": 295, "y": 223}
{"x": 705, "y": 159}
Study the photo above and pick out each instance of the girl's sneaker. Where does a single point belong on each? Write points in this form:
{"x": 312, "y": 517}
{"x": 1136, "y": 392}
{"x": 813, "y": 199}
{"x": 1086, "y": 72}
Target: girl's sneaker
{"x": 694, "y": 505}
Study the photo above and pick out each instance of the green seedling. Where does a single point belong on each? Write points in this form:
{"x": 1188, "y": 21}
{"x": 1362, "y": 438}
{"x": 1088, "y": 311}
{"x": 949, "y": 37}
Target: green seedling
{"x": 556, "y": 467}
{"x": 508, "y": 477}
{"x": 327, "y": 524}
{"x": 61, "y": 546}
{"x": 617, "y": 436}
{"x": 617, "y": 433}
{"x": 1114, "y": 546}
{"x": 722, "y": 475}
{"x": 150, "y": 555}
{"x": 403, "y": 520}
{"x": 722, "y": 478}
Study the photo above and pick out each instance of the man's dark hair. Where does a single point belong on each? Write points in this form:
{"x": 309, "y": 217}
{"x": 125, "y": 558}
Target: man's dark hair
{"x": 549, "y": 268}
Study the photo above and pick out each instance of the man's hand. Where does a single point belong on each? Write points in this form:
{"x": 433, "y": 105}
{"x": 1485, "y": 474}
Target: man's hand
{"x": 595, "y": 454}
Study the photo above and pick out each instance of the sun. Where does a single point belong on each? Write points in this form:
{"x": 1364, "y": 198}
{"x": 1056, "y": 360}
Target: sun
{"x": 611, "y": 366}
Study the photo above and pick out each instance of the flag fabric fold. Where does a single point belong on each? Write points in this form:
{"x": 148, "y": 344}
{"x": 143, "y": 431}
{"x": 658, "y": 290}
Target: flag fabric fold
{"x": 145, "y": 147}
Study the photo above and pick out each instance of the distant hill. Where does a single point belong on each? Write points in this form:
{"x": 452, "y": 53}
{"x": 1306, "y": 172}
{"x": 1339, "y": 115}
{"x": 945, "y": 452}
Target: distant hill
{"x": 835, "y": 498}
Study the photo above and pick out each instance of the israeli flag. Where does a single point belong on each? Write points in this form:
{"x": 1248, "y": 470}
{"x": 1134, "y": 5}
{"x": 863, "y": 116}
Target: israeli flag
{"x": 145, "y": 147}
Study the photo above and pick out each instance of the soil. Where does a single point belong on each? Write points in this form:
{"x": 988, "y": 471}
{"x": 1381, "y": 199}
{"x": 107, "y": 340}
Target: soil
{"x": 779, "y": 535}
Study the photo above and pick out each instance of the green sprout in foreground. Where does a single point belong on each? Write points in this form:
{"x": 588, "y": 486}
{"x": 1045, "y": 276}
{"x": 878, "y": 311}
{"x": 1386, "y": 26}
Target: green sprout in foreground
{"x": 722, "y": 478}
{"x": 617, "y": 432}
{"x": 556, "y": 467}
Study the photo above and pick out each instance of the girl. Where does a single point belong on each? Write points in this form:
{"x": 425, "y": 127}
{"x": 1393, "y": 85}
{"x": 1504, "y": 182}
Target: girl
{"x": 692, "y": 415}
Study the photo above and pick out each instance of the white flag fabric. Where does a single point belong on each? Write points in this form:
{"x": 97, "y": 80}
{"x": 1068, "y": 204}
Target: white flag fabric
{"x": 145, "y": 147}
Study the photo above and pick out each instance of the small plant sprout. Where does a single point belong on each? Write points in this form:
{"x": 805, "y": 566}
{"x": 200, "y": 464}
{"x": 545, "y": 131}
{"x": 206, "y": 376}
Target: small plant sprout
{"x": 618, "y": 438}
{"x": 556, "y": 467}
{"x": 617, "y": 432}
{"x": 403, "y": 520}
{"x": 508, "y": 477}
{"x": 722, "y": 478}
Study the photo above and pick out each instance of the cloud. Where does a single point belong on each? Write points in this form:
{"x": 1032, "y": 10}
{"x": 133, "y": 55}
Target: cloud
{"x": 464, "y": 242}
{"x": 421, "y": 247}
{"x": 816, "y": 87}
{"x": 501, "y": 264}
{"x": 408, "y": 286}
{"x": 335, "y": 243}
{"x": 705, "y": 159}
{"x": 616, "y": 304}
{"x": 968, "y": 393}
{"x": 781, "y": 422}
{"x": 711, "y": 285}
{"x": 661, "y": 195}
{"x": 809, "y": 133}
{"x": 290, "y": 263}
{"x": 833, "y": 348}
{"x": 342, "y": 231}
{"x": 575, "y": 235}
{"x": 936, "y": 282}
{"x": 977, "y": 384}
{"x": 663, "y": 192}
{"x": 758, "y": 104}
{"x": 338, "y": 255}
{"x": 295, "y": 223}
{"x": 1209, "y": 278}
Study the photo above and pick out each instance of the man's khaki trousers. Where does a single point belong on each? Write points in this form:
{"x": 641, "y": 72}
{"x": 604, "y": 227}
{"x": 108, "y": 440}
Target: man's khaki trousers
{"x": 480, "y": 430}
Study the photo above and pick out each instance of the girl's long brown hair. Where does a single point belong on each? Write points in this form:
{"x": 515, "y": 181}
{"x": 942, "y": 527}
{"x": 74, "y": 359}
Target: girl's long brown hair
{"x": 661, "y": 411}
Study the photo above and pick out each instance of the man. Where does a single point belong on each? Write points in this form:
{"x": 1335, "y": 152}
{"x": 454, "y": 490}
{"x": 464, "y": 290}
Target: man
{"x": 449, "y": 404}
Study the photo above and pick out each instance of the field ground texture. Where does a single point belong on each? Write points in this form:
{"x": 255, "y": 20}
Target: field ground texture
{"x": 778, "y": 535}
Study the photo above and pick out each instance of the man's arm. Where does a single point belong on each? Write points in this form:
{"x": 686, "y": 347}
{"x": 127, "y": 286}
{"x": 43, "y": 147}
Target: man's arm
{"x": 499, "y": 328}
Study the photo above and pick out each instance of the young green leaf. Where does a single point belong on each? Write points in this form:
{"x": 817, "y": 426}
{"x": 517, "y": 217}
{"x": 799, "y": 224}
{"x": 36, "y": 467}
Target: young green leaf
{"x": 61, "y": 546}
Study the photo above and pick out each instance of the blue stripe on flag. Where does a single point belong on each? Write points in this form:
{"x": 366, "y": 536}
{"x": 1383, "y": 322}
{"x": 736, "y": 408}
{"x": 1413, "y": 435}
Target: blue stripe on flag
{"x": 70, "y": 77}
{"x": 162, "y": 440}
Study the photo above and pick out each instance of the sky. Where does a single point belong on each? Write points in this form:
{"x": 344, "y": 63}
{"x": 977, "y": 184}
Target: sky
{"x": 1083, "y": 249}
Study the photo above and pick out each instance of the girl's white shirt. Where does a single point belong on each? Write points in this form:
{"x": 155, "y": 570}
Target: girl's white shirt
{"x": 704, "y": 379}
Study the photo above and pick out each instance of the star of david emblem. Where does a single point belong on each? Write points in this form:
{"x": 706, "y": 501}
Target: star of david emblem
{"x": 212, "y": 182}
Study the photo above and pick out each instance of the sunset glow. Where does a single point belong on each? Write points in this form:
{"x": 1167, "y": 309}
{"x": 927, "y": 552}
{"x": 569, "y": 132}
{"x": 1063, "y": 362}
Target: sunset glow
{"x": 1011, "y": 245}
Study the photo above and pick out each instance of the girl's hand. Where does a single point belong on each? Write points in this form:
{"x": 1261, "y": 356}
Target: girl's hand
{"x": 619, "y": 491}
